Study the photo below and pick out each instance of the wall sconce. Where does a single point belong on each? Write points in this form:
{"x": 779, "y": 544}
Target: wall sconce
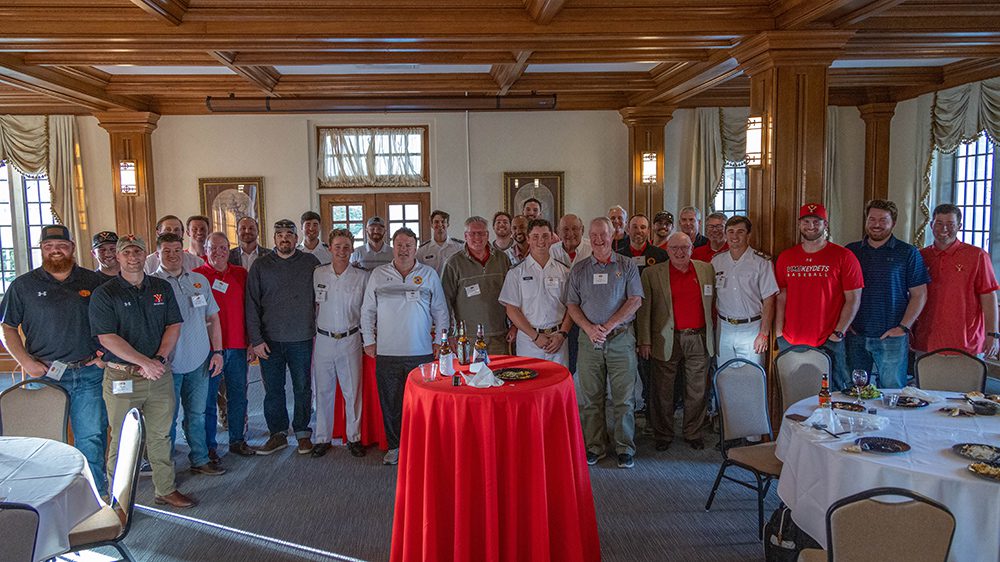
{"x": 755, "y": 141}
{"x": 648, "y": 167}
{"x": 126, "y": 177}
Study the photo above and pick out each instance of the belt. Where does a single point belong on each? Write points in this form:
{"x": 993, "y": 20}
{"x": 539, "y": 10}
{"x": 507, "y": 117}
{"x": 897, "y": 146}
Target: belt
{"x": 129, "y": 368}
{"x": 341, "y": 335}
{"x": 551, "y": 330}
{"x": 691, "y": 331}
{"x": 76, "y": 364}
{"x": 738, "y": 321}
{"x": 616, "y": 332}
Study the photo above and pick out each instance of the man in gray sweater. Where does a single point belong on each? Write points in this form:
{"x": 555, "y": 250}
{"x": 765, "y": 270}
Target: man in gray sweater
{"x": 281, "y": 324}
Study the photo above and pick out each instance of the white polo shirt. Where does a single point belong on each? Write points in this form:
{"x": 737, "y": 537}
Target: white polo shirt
{"x": 399, "y": 312}
{"x": 433, "y": 254}
{"x": 339, "y": 298}
{"x": 583, "y": 251}
{"x": 321, "y": 251}
{"x": 741, "y": 286}
{"x": 540, "y": 292}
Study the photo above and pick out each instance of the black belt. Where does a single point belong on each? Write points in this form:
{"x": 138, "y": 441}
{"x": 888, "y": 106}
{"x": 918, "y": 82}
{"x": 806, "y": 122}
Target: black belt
{"x": 691, "y": 331}
{"x": 547, "y": 330}
{"x": 341, "y": 335}
{"x": 738, "y": 321}
{"x": 616, "y": 332}
{"x": 76, "y": 364}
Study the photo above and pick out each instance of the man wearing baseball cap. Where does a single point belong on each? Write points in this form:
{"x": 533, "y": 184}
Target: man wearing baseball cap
{"x": 105, "y": 253}
{"x": 820, "y": 291}
{"x": 374, "y": 252}
{"x": 663, "y": 227}
{"x": 49, "y": 305}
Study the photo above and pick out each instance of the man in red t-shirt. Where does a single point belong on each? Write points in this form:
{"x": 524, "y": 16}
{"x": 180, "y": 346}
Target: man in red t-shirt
{"x": 715, "y": 229}
{"x": 961, "y": 309}
{"x": 228, "y": 287}
{"x": 820, "y": 286}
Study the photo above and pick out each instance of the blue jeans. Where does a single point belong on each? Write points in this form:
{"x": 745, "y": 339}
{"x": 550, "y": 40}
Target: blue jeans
{"x": 297, "y": 357}
{"x": 888, "y": 355}
{"x": 840, "y": 378}
{"x": 89, "y": 418}
{"x": 190, "y": 390}
{"x": 234, "y": 370}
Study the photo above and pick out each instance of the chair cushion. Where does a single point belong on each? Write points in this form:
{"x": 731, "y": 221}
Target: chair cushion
{"x": 759, "y": 457}
{"x": 812, "y": 555}
{"x": 105, "y": 525}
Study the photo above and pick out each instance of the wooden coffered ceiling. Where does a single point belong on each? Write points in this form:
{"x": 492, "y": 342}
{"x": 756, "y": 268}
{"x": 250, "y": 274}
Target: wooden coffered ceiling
{"x": 168, "y": 56}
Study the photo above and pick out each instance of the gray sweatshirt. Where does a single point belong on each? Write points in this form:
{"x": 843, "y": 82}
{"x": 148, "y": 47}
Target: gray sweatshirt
{"x": 280, "y": 305}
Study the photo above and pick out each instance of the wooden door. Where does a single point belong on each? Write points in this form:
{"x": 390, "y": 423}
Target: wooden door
{"x": 411, "y": 210}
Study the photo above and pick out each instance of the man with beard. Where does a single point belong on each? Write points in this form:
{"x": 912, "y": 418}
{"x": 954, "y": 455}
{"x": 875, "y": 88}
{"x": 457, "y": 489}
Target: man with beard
{"x": 103, "y": 249}
{"x": 249, "y": 250}
{"x": 604, "y": 293}
{"x": 895, "y": 292}
{"x": 311, "y": 243}
{"x": 574, "y": 248}
{"x": 691, "y": 225}
{"x": 619, "y": 221}
{"x": 519, "y": 249}
{"x": 531, "y": 209}
{"x": 170, "y": 224}
{"x": 281, "y": 324}
{"x": 403, "y": 300}
{"x": 436, "y": 251}
{"x": 715, "y": 226}
{"x": 663, "y": 227}
{"x": 198, "y": 227}
{"x": 820, "y": 285}
{"x": 50, "y": 306}
{"x": 374, "y": 252}
{"x": 501, "y": 230}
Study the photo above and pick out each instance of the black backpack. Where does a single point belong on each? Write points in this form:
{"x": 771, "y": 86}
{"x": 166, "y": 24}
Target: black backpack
{"x": 783, "y": 539}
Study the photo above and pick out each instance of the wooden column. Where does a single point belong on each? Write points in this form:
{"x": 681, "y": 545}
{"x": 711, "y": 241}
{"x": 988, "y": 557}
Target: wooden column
{"x": 131, "y": 139}
{"x": 645, "y": 134}
{"x": 877, "y": 117}
{"x": 788, "y": 88}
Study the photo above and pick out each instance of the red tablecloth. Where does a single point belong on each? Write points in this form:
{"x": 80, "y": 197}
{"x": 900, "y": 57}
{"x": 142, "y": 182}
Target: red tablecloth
{"x": 372, "y": 430}
{"x": 494, "y": 474}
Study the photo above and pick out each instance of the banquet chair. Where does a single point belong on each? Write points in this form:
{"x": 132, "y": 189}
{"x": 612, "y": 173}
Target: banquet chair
{"x": 18, "y": 531}
{"x": 741, "y": 389}
{"x": 950, "y": 369}
{"x": 800, "y": 372}
{"x": 860, "y": 527}
{"x": 110, "y": 525}
{"x": 35, "y": 412}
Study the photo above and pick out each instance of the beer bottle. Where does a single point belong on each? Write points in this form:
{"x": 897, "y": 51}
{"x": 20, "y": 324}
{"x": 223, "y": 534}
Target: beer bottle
{"x": 479, "y": 354}
{"x": 824, "y": 392}
{"x": 446, "y": 357}
{"x": 464, "y": 346}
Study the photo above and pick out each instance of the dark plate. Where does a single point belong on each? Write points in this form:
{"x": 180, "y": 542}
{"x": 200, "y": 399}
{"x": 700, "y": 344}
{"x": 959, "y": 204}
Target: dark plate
{"x": 990, "y": 453}
{"x": 911, "y": 402}
{"x": 881, "y": 445}
{"x": 849, "y": 406}
{"x": 515, "y": 374}
{"x": 980, "y": 469}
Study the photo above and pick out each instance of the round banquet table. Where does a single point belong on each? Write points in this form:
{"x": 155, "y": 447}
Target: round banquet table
{"x": 55, "y": 479}
{"x": 494, "y": 474}
{"x": 817, "y": 472}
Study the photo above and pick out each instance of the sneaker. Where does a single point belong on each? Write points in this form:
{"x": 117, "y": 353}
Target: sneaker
{"x": 391, "y": 457}
{"x": 213, "y": 457}
{"x": 356, "y": 448}
{"x": 319, "y": 450}
{"x": 305, "y": 446}
{"x": 625, "y": 460}
{"x": 208, "y": 469}
{"x": 277, "y": 442}
{"x": 146, "y": 469}
{"x": 592, "y": 458}
{"x": 242, "y": 449}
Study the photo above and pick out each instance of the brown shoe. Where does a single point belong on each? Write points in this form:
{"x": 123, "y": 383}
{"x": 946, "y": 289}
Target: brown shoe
{"x": 696, "y": 444}
{"x": 305, "y": 446}
{"x": 242, "y": 449}
{"x": 176, "y": 499}
{"x": 277, "y": 442}
{"x": 356, "y": 448}
{"x": 213, "y": 457}
{"x": 208, "y": 469}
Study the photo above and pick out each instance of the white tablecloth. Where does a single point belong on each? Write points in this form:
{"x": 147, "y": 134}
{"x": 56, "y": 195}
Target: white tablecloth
{"x": 817, "y": 472}
{"x": 53, "y": 478}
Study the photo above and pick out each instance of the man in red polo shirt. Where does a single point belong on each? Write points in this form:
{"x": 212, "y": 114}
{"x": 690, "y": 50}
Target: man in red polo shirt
{"x": 820, "y": 285}
{"x": 228, "y": 287}
{"x": 715, "y": 229}
{"x": 961, "y": 309}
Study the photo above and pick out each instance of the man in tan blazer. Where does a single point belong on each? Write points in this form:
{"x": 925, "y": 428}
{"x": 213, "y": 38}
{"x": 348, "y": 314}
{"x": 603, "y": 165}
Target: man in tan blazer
{"x": 674, "y": 329}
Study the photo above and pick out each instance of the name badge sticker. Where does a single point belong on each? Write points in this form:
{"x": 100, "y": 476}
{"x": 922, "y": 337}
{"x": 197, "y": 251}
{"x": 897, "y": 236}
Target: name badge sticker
{"x": 121, "y": 387}
{"x": 220, "y": 285}
{"x": 708, "y": 290}
{"x": 472, "y": 290}
{"x": 720, "y": 281}
{"x": 199, "y": 301}
{"x": 320, "y": 295}
{"x": 412, "y": 296}
{"x": 600, "y": 279}
{"x": 551, "y": 282}
{"x": 639, "y": 261}
{"x": 56, "y": 370}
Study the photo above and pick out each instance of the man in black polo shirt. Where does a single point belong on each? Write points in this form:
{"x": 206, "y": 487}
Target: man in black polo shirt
{"x": 136, "y": 318}
{"x": 50, "y": 305}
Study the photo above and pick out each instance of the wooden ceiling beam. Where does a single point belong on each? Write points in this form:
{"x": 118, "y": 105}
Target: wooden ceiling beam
{"x": 543, "y": 11}
{"x": 864, "y": 12}
{"x": 954, "y": 74}
{"x": 63, "y": 87}
{"x": 167, "y": 11}
{"x": 796, "y": 14}
{"x": 112, "y": 58}
{"x": 506, "y": 75}
{"x": 263, "y": 77}
{"x": 675, "y": 83}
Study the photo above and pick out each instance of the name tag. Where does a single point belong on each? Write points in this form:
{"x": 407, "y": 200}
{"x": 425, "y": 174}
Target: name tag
{"x": 412, "y": 296}
{"x": 720, "y": 281}
{"x": 600, "y": 279}
{"x": 121, "y": 387}
{"x": 56, "y": 370}
{"x": 551, "y": 282}
{"x": 708, "y": 290}
{"x": 639, "y": 261}
{"x": 220, "y": 285}
{"x": 320, "y": 295}
{"x": 528, "y": 278}
{"x": 199, "y": 301}
{"x": 472, "y": 290}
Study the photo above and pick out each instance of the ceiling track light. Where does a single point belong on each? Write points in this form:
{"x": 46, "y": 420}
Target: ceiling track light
{"x": 233, "y": 104}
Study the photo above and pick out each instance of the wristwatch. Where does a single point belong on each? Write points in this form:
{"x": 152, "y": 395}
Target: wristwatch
{"x": 995, "y": 335}
{"x": 563, "y": 334}
{"x": 160, "y": 359}
{"x": 839, "y": 334}
{"x": 216, "y": 352}
{"x": 904, "y": 328}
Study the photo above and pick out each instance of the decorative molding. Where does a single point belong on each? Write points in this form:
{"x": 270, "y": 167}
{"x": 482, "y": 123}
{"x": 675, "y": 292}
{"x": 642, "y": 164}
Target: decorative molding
{"x": 506, "y": 75}
{"x": 167, "y": 11}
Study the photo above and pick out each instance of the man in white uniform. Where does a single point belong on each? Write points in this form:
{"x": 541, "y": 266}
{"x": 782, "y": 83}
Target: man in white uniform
{"x": 440, "y": 247}
{"x": 746, "y": 291}
{"x": 170, "y": 224}
{"x": 339, "y": 289}
{"x": 534, "y": 293}
{"x": 311, "y": 234}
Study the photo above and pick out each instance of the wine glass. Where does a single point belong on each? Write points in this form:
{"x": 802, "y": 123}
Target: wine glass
{"x": 860, "y": 378}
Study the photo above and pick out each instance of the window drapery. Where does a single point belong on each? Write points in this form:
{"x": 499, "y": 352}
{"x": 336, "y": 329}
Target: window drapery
{"x": 720, "y": 137}
{"x": 371, "y": 156}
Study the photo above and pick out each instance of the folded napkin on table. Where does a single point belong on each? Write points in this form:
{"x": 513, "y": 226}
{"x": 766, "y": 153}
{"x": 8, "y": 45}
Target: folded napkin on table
{"x": 837, "y": 421}
{"x": 915, "y": 392}
{"x": 483, "y": 377}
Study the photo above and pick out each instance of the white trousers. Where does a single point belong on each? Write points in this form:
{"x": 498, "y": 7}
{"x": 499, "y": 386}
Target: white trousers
{"x": 527, "y": 348}
{"x": 736, "y": 342}
{"x": 337, "y": 361}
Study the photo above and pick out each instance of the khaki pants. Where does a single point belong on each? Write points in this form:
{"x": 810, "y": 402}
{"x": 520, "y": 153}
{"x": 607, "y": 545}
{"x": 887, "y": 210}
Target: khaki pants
{"x": 155, "y": 399}
{"x": 689, "y": 353}
{"x": 613, "y": 366}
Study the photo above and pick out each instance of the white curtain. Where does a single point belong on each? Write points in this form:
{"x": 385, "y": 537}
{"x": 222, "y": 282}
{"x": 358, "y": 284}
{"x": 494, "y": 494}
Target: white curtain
{"x": 356, "y": 157}
{"x": 733, "y": 128}
{"x": 23, "y": 142}
{"x": 707, "y": 162}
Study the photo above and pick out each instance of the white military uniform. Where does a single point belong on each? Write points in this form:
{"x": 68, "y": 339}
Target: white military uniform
{"x": 188, "y": 260}
{"x": 512, "y": 254}
{"x": 368, "y": 259}
{"x": 321, "y": 251}
{"x": 432, "y": 254}
{"x": 337, "y": 351}
{"x": 583, "y": 251}
{"x": 741, "y": 287}
{"x": 540, "y": 293}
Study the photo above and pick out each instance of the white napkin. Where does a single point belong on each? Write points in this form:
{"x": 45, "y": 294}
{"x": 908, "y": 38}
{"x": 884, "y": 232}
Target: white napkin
{"x": 837, "y": 421}
{"x": 483, "y": 377}
{"x": 826, "y": 417}
{"x": 915, "y": 392}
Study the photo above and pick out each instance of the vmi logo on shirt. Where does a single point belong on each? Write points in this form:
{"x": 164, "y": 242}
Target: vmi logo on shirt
{"x": 808, "y": 270}
{"x": 158, "y": 298}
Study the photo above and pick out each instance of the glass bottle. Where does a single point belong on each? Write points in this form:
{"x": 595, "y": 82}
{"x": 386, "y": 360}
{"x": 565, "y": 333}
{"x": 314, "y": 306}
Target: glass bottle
{"x": 479, "y": 354}
{"x": 464, "y": 346}
{"x": 824, "y": 392}
{"x": 446, "y": 357}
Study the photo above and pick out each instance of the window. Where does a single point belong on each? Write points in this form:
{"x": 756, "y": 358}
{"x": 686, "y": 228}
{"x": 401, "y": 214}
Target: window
{"x": 404, "y": 215}
{"x": 731, "y": 198}
{"x": 972, "y": 184}
{"x": 25, "y": 207}
{"x": 351, "y": 217}
{"x": 372, "y": 157}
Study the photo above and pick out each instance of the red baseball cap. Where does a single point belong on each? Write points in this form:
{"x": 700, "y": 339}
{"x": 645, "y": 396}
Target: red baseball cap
{"x": 813, "y": 210}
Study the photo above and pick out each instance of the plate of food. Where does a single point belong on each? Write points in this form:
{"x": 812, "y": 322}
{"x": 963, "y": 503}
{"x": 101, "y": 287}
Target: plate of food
{"x": 911, "y": 402}
{"x": 986, "y": 470}
{"x": 956, "y": 411}
{"x": 977, "y": 451}
{"x": 881, "y": 445}
{"x": 849, "y": 406}
{"x": 867, "y": 392}
{"x": 515, "y": 374}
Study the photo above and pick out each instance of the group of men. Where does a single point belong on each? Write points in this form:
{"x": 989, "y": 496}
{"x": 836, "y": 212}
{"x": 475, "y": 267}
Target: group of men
{"x": 638, "y": 311}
